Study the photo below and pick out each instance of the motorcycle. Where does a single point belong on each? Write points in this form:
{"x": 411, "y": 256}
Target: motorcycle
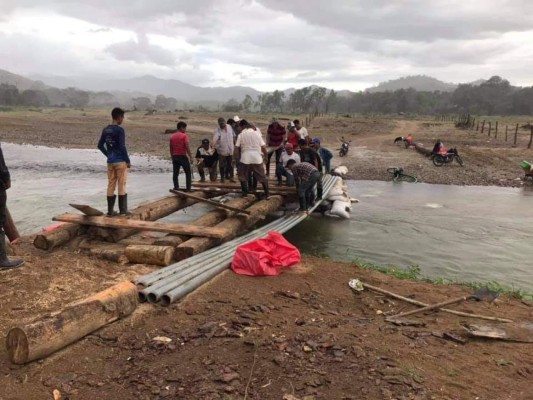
{"x": 440, "y": 159}
{"x": 345, "y": 146}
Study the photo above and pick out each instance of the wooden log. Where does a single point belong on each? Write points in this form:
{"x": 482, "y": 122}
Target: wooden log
{"x": 211, "y": 202}
{"x": 154, "y": 255}
{"x": 234, "y": 226}
{"x": 110, "y": 222}
{"x": 59, "y": 236}
{"x": 209, "y": 219}
{"x": 106, "y": 251}
{"x": 87, "y": 210}
{"x": 275, "y": 191}
{"x": 228, "y": 186}
{"x": 10, "y": 228}
{"x": 151, "y": 211}
{"x": 51, "y": 333}
{"x": 515, "y": 134}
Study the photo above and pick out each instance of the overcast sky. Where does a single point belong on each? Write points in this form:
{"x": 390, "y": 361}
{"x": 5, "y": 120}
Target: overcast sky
{"x": 270, "y": 44}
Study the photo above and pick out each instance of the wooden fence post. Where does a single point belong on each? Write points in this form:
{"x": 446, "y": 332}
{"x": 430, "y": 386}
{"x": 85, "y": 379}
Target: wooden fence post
{"x": 483, "y": 126}
{"x": 490, "y": 127}
{"x": 496, "y": 131}
{"x": 473, "y": 123}
{"x": 530, "y": 138}
{"x": 515, "y": 134}
{"x": 506, "y": 132}
{"x": 477, "y": 128}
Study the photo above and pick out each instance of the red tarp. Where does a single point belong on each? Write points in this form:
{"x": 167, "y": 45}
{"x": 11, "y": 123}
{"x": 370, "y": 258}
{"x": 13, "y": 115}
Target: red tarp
{"x": 266, "y": 256}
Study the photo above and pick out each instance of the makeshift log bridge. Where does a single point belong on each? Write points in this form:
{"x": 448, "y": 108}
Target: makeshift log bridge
{"x": 177, "y": 280}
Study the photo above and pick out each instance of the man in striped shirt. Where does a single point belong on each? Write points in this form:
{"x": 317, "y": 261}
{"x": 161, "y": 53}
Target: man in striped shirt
{"x": 306, "y": 176}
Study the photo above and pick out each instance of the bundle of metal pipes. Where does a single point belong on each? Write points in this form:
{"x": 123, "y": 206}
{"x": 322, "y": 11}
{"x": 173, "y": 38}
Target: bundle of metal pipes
{"x": 177, "y": 280}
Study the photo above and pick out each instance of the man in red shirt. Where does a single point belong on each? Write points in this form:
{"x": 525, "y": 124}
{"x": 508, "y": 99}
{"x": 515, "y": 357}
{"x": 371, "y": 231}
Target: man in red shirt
{"x": 181, "y": 156}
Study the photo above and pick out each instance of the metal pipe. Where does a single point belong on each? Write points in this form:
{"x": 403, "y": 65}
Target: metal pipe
{"x": 156, "y": 290}
{"x": 186, "y": 286}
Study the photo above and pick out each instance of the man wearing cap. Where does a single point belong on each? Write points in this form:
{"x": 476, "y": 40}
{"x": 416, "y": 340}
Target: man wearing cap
{"x": 293, "y": 136}
{"x": 224, "y": 143}
{"x": 206, "y": 157}
{"x": 281, "y": 168}
{"x": 275, "y": 137}
{"x": 251, "y": 150}
{"x": 324, "y": 154}
{"x": 112, "y": 144}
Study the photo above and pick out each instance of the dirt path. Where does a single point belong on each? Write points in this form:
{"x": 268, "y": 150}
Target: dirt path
{"x": 264, "y": 337}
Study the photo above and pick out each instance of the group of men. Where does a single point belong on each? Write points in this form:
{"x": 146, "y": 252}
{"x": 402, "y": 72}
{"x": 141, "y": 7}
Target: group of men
{"x": 236, "y": 143}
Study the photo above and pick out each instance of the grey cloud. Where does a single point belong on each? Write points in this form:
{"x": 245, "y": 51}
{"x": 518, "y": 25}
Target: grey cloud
{"x": 415, "y": 20}
{"x": 141, "y": 51}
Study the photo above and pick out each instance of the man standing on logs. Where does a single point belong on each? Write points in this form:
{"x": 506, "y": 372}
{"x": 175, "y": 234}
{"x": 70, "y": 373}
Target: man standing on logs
{"x": 181, "y": 156}
{"x": 251, "y": 150}
{"x": 306, "y": 176}
{"x": 5, "y": 183}
{"x": 276, "y": 135}
{"x": 112, "y": 144}
{"x": 224, "y": 143}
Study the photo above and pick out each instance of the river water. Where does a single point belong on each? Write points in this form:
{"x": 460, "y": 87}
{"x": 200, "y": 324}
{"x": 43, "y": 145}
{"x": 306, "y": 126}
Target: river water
{"x": 466, "y": 233}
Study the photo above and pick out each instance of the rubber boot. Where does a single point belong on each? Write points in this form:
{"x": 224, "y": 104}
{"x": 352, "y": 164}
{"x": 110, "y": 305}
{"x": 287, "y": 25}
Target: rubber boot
{"x": 244, "y": 188}
{"x": 5, "y": 262}
{"x": 123, "y": 204}
{"x": 111, "y": 205}
{"x": 265, "y": 188}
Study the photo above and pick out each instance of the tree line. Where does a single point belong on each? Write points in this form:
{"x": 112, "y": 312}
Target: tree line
{"x": 495, "y": 96}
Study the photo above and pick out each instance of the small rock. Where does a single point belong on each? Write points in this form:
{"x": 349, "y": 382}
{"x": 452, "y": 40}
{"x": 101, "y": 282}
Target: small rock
{"x": 208, "y": 327}
{"x": 57, "y": 394}
{"x": 300, "y": 322}
{"x": 162, "y": 339}
{"x": 291, "y": 295}
{"x": 228, "y": 377}
{"x": 229, "y": 389}
{"x": 307, "y": 349}
{"x": 247, "y": 316}
{"x": 279, "y": 359}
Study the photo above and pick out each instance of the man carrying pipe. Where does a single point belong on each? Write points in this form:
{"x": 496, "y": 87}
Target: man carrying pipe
{"x": 5, "y": 184}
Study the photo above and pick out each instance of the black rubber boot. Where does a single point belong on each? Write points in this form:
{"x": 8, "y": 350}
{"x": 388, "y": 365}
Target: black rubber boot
{"x": 302, "y": 204}
{"x": 123, "y": 204}
{"x": 111, "y": 205}
{"x": 265, "y": 188}
{"x": 5, "y": 262}
{"x": 244, "y": 188}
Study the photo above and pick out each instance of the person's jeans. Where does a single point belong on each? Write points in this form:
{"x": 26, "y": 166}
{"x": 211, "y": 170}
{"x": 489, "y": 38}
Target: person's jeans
{"x": 278, "y": 157}
{"x": 177, "y": 163}
{"x": 306, "y": 193}
{"x": 117, "y": 174}
{"x": 282, "y": 171}
{"x": 226, "y": 167}
{"x": 212, "y": 172}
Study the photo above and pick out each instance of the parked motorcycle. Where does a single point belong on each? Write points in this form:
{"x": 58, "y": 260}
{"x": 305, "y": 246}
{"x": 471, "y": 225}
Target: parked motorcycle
{"x": 345, "y": 146}
{"x": 440, "y": 159}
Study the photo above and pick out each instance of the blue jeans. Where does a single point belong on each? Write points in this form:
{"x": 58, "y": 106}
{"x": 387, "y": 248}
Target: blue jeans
{"x": 282, "y": 171}
{"x": 306, "y": 192}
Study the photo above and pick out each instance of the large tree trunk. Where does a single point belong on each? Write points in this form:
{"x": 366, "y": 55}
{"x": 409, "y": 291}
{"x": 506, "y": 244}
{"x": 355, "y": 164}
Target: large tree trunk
{"x": 106, "y": 251}
{"x": 151, "y": 211}
{"x": 110, "y": 222}
{"x": 153, "y": 255}
{"x": 57, "y": 237}
{"x": 234, "y": 225}
{"x": 49, "y": 334}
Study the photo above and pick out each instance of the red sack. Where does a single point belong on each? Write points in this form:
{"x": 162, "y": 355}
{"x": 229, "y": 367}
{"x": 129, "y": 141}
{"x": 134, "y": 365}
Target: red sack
{"x": 266, "y": 256}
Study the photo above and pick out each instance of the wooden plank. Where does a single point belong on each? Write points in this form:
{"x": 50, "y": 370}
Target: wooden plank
{"x": 213, "y": 203}
{"x": 87, "y": 210}
{"x": 110, "y": 222}
{"x": 221, "y": 191}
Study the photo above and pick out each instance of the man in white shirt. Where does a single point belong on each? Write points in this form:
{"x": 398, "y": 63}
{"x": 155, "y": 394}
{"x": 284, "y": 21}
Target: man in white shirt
{"x": 223, "y": 142}
{"x": 302, "y": 131}
{"x": 281, "y": 168}
{"x": 251, "y": 150}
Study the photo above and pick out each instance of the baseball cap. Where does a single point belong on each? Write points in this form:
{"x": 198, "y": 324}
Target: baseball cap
{"x": 316, "y": 140}
{"x": 291, "y": 124}
{"x": 205, "y": 141}
{"x": 236, "y": 118}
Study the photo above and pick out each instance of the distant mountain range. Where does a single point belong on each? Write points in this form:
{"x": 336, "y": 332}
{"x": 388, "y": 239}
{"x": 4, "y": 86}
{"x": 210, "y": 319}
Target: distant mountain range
{"x": 151, "y": 86}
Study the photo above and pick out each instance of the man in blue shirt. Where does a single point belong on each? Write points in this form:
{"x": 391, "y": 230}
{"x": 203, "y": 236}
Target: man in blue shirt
{"x": 112, "y": 144}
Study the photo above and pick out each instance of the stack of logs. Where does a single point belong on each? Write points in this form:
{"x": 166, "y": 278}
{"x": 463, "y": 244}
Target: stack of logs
{"x": 124, "y": 245}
